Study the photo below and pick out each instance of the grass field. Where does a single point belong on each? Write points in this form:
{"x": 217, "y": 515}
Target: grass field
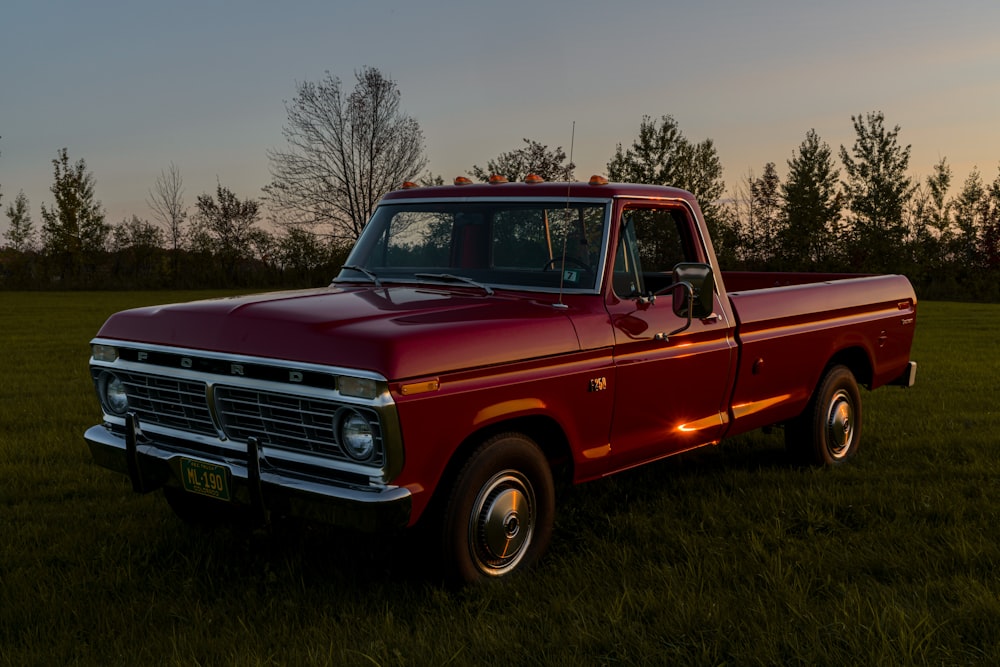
{"x": 723, "y": 556}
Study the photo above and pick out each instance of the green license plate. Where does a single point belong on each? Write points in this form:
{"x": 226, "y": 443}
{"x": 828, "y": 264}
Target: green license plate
{"x": 207, "y": 479}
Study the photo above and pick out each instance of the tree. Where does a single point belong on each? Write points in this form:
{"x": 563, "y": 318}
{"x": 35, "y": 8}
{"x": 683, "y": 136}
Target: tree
{"x": 877, "y": 190}
{"x": 738, "y": 213}
{"x": 21, "y": 234}
{"x": 20, "y": 262}
{"x": 343, "y": 153}
{"x": 974, "y": 253}
{"x": 968, "y": 209}
{"x": 661, "y": 155}
{"x": 655, "y": 156}
{"x": 700, "y": 173}
{"x": 137, "y": 245}
{"x": 74, "y": 230}
{"x": 811, "y": 205}
{"x": 225, "y": 227}
{"x": 430, "y": 179}
{"x": 991, "y": 233}
{"x": 534, "y": 158}
{"x": 166, "y": 199}
{"x": 930, "y": 219}
{"x": 938, "y": 209}
{"x": 134, "y": 233}
{"x": 768, "y": 217}
{"x": 755, "y": 217}
{"x": 302, "y": 258}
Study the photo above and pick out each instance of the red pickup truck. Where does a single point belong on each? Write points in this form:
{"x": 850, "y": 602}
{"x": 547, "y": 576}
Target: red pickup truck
{"x": 481, "y": 339}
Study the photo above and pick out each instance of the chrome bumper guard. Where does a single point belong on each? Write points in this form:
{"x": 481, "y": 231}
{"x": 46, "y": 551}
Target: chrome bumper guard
{"x": 150, "y": 466}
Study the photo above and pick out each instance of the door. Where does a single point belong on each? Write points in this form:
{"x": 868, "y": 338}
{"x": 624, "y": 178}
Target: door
{"x": 671, "y": 388}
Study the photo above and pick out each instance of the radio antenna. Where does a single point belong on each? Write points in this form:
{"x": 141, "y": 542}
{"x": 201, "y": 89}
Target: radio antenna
{"x": 562, "y": 264}
{"x": 572, "y": 138}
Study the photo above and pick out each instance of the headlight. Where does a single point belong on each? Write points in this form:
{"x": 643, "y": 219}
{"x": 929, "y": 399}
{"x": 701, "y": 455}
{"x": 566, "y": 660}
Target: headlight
{"x": 355, "y": 435}
{"x": 113, "y": 396}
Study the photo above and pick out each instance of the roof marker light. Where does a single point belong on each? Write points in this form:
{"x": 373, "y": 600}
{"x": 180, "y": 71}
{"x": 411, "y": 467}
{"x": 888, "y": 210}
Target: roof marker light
{"x": 409, "y": 185}
{"x": 533, "y": 178}
{"x": 462, "y": 180}
{"x": 497, "y": 178}
{"x": 598, "y": 180}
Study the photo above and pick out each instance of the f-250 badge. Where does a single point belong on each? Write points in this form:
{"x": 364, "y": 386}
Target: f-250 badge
{"x": 598, "y": 384}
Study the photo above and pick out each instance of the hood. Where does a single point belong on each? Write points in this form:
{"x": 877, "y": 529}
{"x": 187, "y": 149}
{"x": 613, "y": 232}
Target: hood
{"x": 399, "y": 332}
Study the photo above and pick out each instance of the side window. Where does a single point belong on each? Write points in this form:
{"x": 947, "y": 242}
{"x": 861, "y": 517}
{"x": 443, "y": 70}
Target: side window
{"x": 627, "y": 271}
{"x": 651, "y": 242}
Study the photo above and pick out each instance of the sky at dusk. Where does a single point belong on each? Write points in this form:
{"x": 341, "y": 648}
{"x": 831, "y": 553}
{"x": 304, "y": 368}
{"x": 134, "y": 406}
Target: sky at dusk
{"x": 134, "y": 86}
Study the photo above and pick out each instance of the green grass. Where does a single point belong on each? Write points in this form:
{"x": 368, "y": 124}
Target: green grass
{"x": 724, "y": 556}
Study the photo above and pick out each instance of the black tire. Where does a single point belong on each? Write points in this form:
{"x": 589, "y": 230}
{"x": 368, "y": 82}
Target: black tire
{"x": 498, "y": 519}
{"x": 828, "y": 432}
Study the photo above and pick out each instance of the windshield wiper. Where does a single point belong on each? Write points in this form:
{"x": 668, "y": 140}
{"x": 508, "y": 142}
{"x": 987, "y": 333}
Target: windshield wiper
{"x": 451, "y": 277}
{"x": 368, "y": 274}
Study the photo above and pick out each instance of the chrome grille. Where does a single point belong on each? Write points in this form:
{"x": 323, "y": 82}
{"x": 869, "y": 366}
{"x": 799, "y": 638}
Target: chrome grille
{"x": 283, "y": 420}
{"x": 276, "y": 419}
{"x": 179, "y": 404}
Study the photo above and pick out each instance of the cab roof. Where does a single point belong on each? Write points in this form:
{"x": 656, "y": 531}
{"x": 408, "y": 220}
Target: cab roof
{"x": 553, "y": 190}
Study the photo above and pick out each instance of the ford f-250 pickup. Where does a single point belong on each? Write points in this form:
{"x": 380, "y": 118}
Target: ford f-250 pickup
{"x": 480, "y": 339}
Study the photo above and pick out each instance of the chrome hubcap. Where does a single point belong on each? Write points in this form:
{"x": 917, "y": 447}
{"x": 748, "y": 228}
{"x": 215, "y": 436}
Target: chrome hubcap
{"x": 840, "y": 424}
{"x": 502, "y": 522}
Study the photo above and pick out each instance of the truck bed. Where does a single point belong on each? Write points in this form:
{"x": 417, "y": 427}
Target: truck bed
{"x": 790, "y": 333}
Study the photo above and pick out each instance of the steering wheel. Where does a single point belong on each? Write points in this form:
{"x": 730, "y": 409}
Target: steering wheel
{"x": 568, "y": 259}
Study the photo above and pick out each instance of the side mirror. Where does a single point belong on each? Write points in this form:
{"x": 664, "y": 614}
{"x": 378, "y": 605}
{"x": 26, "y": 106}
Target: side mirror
{"x": 692, "y": 289}
{"x": 696, "y": 303}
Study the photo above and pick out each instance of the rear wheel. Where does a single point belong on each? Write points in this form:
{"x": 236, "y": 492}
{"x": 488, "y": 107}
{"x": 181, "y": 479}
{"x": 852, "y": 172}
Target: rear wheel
{"x": 499, "y": 517}
{"x": 828, "y": 432}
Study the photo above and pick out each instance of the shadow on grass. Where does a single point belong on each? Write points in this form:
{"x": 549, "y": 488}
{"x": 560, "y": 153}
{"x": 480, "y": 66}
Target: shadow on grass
{"x": 293, "y": 554}
{"x": 299, "y": 555}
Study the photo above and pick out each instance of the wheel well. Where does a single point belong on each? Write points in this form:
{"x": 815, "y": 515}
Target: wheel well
{"x": 545, "y": 431}
{"x": 856, "y": 360}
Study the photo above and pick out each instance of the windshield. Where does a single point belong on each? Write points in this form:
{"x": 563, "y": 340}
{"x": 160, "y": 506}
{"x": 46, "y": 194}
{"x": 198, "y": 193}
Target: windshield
{"x": 537, "y": 245}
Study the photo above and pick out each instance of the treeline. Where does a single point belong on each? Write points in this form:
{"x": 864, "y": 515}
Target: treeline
{"x": 871, "y": 219}
{"x": 859, "y": 211}
{"x": 221, "y": 246}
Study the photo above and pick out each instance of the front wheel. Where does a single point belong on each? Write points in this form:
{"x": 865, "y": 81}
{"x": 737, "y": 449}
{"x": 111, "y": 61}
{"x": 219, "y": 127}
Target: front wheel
{"x": 499, "y": 517}
{"x": 828, "y": 432}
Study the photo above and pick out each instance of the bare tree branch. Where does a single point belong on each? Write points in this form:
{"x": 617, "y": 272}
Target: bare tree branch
{"x": 166, "y": 199}
{"x": 343, "y": 153}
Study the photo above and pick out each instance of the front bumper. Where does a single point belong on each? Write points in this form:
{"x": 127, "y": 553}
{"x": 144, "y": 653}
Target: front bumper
{"x": 151, "y": 465}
